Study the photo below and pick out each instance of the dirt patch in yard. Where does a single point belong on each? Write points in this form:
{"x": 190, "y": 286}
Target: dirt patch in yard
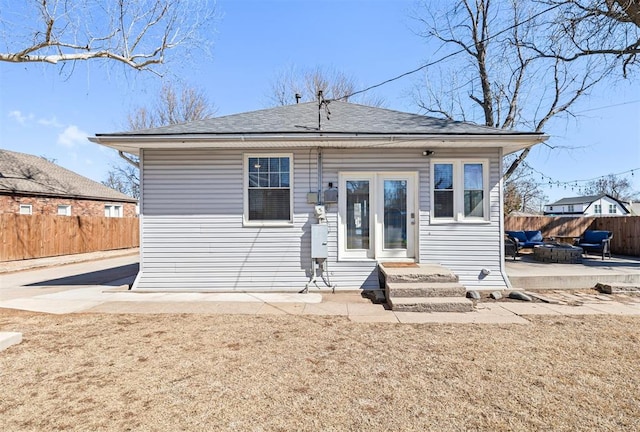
{"x": 283, "y": 373}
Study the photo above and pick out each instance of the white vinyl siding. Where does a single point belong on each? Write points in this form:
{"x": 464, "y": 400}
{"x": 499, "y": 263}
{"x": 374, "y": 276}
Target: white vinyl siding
{"x": 194, "y": 236}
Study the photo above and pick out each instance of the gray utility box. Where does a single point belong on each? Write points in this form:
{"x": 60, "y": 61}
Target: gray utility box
{"x": 319, "y": 240}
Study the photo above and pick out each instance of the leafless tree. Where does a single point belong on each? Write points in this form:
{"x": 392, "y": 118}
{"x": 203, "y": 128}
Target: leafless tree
{"x": 492, "y": 75}
{"x": 616, "y": 186}
{"x": 307, "y": 83}
{"x": 124, "y": 178}
{"x": 137, "y": 33}
{"x": 596, "y": 27}
{"x": 172, "y": 107}
{"x": 522, "y": 192}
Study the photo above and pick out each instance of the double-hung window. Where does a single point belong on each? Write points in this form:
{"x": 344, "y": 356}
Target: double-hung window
{"x": 268, "y": 184}
{"x": 459, "y": 190}
{"x": 612, "y": 208}
{"x": 597, "y": 208}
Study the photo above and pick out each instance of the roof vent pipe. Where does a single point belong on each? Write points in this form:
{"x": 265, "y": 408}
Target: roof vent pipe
{"x": 298, "y": 97}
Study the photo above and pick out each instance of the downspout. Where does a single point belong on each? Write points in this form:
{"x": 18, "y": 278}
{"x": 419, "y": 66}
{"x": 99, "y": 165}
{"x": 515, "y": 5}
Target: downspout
{"x": 141, "y": 239}
{"x": 319, "y": 180}
{"x": 503, "y": 270}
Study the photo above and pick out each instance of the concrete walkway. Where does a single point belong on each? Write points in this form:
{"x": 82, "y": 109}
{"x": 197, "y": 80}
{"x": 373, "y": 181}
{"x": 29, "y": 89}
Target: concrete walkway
{"x": 82, "y": 288}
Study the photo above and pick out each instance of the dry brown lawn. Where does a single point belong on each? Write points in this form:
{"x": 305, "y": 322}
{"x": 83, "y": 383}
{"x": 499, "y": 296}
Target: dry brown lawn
{"x": 283, "y": 373}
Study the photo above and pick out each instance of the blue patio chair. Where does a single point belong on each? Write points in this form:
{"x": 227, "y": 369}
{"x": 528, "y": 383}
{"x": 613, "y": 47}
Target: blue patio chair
{"x": 596, "y": 241}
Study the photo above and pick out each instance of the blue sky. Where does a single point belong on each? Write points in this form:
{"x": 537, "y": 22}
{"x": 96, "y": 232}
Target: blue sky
{"x": 46, "y": 110}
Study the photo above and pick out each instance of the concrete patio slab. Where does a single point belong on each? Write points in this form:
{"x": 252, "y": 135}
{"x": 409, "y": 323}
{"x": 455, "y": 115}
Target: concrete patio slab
{"x": 528, "y": 309}
{"x": 138, "y": 297}
{"x": 52, "y": 306}
{"x": 493, "y": 308}
{"x": 281, "y": 309}
{"x": 241, "y": 308}
{"x": 287, "y": 297}
{"x": 366, "y": 309}
{"x": 154, "y": 307}
{"x": 526, "y": 273}
{"x": 484, "y": 317}
{"x": 615, "y": 308}
{"x": 8, "y": 339}
{"x": 326, "y": 308}
{"x": 575, "y": 310}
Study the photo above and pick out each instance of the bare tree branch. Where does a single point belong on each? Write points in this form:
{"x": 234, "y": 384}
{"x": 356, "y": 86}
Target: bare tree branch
{"x": 507, "y": 83}
{"x": 597, "y": 28}
{"x": 137, "y": 33}
{"x": 172, "y": 107}
{"x": 307, "y": 82}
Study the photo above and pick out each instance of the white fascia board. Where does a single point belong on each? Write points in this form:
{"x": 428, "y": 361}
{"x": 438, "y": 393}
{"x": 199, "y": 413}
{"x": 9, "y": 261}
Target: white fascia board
{"x": 132, "y": 144}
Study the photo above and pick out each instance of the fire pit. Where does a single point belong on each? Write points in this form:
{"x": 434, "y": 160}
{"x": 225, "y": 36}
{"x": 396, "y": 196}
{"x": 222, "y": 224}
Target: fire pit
{"x": 558, "y": 253}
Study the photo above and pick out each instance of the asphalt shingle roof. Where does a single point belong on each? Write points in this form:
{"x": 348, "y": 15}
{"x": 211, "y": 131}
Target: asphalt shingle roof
{"x": 33, "y": 175}
{"x": 577, "y": 200}
{"x": 344, "y": 118}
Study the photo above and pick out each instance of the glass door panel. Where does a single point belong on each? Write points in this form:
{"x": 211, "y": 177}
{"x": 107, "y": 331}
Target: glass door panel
{"x": 357, "y": 209}
{"x": 395, "y": 214}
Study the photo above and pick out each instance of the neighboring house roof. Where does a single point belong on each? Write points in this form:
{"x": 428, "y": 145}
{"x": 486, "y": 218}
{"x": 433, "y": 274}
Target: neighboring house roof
{"x": 587, "y": 200}
{"x": 26, "y": 174}
{"x": 338, "y": 121}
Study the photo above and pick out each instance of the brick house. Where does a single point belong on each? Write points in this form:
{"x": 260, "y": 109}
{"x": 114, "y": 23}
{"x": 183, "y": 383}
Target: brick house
{"x": 32, "y": 185}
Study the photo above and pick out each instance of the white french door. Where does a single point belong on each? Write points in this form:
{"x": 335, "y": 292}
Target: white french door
{"x": 377, "y": 215}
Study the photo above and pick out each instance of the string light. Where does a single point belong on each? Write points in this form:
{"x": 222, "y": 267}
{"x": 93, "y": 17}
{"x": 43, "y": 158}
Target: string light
{"x": 573, "y": 184}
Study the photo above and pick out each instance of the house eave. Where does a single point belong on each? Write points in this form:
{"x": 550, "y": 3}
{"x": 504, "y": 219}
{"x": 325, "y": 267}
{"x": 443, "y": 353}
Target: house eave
{"x": 132, "y": 144}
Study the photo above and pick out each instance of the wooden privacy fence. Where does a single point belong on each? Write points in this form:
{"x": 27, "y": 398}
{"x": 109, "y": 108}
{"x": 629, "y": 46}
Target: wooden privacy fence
{"x": 38, "y": 236}
{"x": 625, "y": 229}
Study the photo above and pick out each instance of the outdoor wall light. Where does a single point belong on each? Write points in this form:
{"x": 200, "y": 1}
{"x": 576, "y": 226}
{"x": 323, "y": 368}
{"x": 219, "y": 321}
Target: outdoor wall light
{"x": 427, "y": 152}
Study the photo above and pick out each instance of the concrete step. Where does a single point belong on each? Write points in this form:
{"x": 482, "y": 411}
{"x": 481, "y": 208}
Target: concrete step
{"x": 421, "y": 273}
{"x": 430, "y": 304}
{"x": 424, "y": 289}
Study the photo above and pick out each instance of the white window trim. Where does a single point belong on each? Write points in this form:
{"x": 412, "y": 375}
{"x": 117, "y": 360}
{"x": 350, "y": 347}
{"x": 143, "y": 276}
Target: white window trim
{"x": 67, "y": 208}
{"x": 29, "y": 206}
{"x": 245, "y": 191}
{"x": 112, "y": 207}
{"x": 373, "y": 177}
{"x": 345, "y": 254}
{"x": 458, "y": 192}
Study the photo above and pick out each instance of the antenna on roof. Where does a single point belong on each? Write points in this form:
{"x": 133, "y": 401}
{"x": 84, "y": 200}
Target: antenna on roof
{"x": 322, "y": 102}
{"x": 298, "y": 97}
